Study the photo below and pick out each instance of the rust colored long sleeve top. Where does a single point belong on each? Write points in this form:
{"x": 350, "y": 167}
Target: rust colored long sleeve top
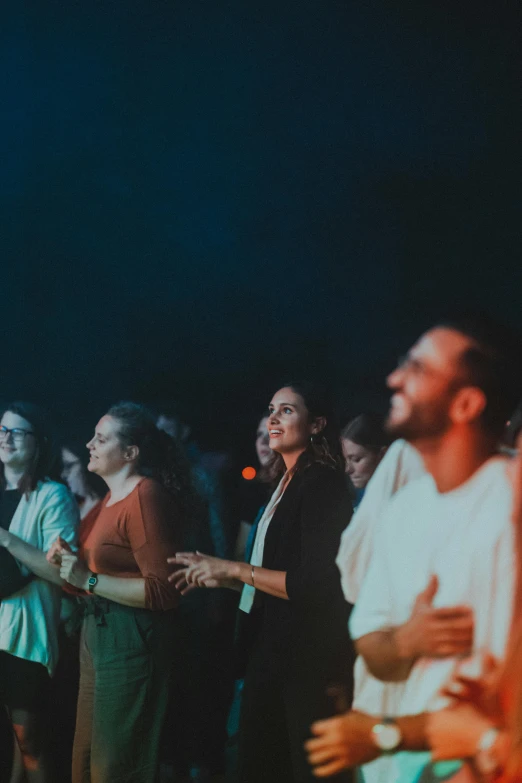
{"x": 133, "y": 538}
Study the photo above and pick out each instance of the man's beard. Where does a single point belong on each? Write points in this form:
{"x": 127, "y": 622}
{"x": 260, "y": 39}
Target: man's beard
{"x": 421, "y": 423}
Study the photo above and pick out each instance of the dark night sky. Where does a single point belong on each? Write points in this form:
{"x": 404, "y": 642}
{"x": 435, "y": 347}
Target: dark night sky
{"x": 199, "y": 199}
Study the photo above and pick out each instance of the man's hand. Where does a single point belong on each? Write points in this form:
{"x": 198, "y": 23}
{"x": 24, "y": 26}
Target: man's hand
{"x": 454, "y": 733}
{"x": 341, "y": 742}
{"x": 435, "y": 633}
{"x": 483, "y": 693}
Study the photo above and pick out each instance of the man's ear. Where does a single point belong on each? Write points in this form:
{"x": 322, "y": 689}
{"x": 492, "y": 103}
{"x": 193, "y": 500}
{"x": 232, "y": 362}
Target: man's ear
{"x": 468, "y": 405}
{"x": 319, "y": 425}
{"x": 131, "y": 453}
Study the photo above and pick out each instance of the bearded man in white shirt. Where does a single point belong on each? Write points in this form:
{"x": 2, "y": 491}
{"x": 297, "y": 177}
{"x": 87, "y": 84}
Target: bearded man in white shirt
{"x": 441, "y": 570}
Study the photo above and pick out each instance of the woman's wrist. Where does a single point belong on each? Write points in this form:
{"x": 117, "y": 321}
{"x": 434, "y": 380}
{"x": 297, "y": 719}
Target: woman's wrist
{"x": 240, "y": 571}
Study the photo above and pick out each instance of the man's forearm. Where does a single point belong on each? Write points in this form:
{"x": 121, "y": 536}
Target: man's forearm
{"x": 385, "y": 655}
{"x": 413, "y": 730}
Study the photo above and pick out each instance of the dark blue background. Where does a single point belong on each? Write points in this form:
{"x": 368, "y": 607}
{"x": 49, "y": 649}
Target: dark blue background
{"x": 201, "y": 198}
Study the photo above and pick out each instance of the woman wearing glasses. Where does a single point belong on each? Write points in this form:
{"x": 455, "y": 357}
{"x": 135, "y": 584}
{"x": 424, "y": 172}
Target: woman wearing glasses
{"x": 35, "y": 508}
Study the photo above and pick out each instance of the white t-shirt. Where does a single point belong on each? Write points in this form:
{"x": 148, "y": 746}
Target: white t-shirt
{"x": 401, "y": 464}
{"x": 465, "y": 537}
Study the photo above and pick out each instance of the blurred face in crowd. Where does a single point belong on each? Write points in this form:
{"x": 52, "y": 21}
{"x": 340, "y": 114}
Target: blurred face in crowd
{"x": 425, "y": 385}
{"x": 73, "y": 474}
{"x": 263, "y": 450}
{"x": 173, "y": 427}
{"x": 289, "y": 425}
{"x": 18, "y": 446}
{"x": 107, "y": 456}
{"x": 361, "y": 462}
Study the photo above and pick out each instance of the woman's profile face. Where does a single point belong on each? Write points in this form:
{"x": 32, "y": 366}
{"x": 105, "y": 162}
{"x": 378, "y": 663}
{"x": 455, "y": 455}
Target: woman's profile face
{"x": 263, "y": 450}
{"x": 18, "y": 446}
{"x": 73, "y": 473}
{"x": 361, "y": 462}
{"x": 289, "y": 425}
{"x": 107, "y": 457}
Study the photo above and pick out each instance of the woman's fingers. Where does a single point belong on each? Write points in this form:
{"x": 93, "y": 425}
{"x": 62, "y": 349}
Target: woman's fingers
{"x": 178, "y": 577}
{"x": 192, "y": 557}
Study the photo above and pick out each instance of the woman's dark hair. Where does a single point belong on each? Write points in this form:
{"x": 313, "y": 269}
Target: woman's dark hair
{"x": 46, "y": 462}
{"x": 160, "y": 456}
{"x": 325, "y": 446}
{"x": 367, "y": 430}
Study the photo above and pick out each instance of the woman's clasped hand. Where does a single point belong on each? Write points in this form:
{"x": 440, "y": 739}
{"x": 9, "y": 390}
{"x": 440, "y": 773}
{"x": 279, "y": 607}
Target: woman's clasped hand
{"x": 200, "y": 570}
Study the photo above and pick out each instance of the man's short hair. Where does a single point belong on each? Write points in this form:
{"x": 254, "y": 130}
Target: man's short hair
{"x": 493, "y": 364}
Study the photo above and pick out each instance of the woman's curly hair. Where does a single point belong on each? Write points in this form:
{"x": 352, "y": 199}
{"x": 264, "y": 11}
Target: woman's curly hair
{"x": 160, "y": 456}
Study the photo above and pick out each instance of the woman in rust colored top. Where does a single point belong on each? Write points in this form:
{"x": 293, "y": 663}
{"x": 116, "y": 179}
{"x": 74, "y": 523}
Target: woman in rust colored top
{"x": 129, "y": 626}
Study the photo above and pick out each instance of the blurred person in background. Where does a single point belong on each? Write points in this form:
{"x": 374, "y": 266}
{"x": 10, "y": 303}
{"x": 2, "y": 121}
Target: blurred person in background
{"x": 364, "y": 441}
{"x": 254, "y": 497}
{"x": 194, "y": 741}
{"x": 206, "y": 469}
{"x": 291, "y": 584}
{"x": 513, "y": 429}
{"x": 35, "y": 508}
{"x": 254, "y": 494}
{"x": 87, "y": 488}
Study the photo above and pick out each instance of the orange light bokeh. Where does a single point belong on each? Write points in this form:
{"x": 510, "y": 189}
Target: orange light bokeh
{"x": 249, "y": 473}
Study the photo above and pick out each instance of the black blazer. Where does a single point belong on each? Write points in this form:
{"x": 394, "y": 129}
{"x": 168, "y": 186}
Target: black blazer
{"x": 308, "y": 634}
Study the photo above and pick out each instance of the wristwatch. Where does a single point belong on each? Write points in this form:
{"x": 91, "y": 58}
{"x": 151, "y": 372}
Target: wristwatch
{"x": 92, "y": 582}
{"x": 386, "y": 735}
{"x": 485, "y": 759}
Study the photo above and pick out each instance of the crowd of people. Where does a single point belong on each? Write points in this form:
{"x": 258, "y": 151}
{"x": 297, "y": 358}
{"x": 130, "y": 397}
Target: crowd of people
{"x": 360, "y": 620}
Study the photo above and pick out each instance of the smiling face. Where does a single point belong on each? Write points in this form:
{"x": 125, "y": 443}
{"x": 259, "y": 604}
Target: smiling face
{"x": 107, "y": 456}
{"x": 17, "y": 449}
{"x": 425, "y": 385}
{"x": 361, "y": 462}
{"x": 263, "y": 450}
{"x": 289, "y": 425}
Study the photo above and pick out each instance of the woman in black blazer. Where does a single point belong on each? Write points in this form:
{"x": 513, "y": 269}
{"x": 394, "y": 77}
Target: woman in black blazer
{"x": 302, "y": 657}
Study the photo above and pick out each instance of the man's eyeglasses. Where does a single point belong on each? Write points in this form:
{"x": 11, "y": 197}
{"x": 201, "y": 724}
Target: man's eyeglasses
{"x": 17, "y": 432}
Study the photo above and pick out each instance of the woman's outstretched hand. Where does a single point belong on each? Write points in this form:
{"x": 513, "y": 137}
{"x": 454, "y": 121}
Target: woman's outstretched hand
{"x": 199, "y": 570}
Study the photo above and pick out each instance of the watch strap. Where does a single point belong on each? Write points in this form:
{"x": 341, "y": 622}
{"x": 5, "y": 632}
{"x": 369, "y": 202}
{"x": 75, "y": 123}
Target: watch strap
{"x": 92, "y": 582}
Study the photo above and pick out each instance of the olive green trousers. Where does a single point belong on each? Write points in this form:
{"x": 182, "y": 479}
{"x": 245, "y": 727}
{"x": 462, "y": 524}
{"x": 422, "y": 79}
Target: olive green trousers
{"x": 125, "y": 663}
